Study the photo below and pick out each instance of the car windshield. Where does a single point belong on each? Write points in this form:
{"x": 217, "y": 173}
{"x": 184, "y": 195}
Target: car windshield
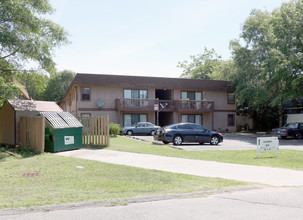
{"x": 292, "y": 125}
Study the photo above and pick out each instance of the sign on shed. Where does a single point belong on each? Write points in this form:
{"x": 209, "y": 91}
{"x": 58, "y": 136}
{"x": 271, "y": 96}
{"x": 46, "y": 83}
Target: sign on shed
{"x": 267, "y": 144}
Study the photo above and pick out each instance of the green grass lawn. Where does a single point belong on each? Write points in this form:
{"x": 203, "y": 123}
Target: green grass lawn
{"x": 286, "y": 158}
{"x": 59, "y": 181}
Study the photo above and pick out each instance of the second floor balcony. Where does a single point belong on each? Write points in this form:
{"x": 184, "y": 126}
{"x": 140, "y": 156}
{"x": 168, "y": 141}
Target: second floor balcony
{"x": 164, "y": 105}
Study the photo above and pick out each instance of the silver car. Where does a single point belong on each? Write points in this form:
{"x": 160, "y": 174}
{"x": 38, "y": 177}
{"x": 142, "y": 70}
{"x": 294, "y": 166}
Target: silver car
{"x": 140, "y": 128}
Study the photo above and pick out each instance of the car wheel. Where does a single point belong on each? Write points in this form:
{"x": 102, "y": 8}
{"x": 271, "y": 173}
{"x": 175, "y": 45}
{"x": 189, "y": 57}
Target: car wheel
{"x": 177, "y": 140}
{"x": 152, "y": 133}
{"x": 283, "y": 137}
{"x": 214, "y": 140}
{"x": 165, "y": 142}
{"x": 202, "y": 143}
{"x": 130, "y": 133}
{"x": 298, "y": 136}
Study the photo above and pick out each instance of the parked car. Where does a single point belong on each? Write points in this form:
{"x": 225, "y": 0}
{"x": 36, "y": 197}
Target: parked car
{"x": 140, "y": 128}
{"x": 290, "y": 129}
{"x": 187, "y": 132}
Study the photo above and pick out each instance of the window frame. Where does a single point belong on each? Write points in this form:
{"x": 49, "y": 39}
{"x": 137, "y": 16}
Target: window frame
{"x": 233, "y": 120}
{"x": 146, "y": 115}
{"x": 88, "y": 115}
{"x": 233, "y": 98}
{"x": 90, "y": 92}
{"x": 139, "y": 92}
{"x": 187, "y": 121}
{"x": 195, "y": 92}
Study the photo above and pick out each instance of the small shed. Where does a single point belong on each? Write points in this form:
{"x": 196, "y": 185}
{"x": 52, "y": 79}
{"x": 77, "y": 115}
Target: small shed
{"x": 11, "y": 112}
{"x": 62, "y": 131}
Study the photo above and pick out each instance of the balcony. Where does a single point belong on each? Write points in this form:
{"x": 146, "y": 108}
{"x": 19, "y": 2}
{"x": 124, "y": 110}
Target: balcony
{"x": 164, "y": 105}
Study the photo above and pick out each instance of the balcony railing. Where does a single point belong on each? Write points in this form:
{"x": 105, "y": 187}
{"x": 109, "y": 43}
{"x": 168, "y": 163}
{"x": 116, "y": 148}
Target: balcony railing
{"x": 135, "y": 104}
{"x": 194, "y": 105}
{"x": 163, "y": 105}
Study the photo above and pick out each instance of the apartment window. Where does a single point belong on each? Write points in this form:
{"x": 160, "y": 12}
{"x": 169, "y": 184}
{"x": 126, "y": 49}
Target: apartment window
{"x": 192, "y": 119}
{"x": 135, "y": 94}
{"x": 187, "y": 99}
{"x": 230, "y": 98}
{"x": 191, "y": 95}
{"x": 130, "y": 119}
{"x": 230, "y": 120}
{"x": 130, "y": 94}
{"x": 85, "y": 93}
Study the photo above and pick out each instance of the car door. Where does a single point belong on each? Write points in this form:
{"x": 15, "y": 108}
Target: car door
{"x": 140, "y": 128}
{"x": 201, "y": 133}
{"x": 188, "y": 133}
{"x": 149, "y": 128}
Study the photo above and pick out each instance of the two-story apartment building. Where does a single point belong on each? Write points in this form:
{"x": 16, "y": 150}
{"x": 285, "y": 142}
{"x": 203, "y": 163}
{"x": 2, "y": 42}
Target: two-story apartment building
{"x": 162, "y": 101}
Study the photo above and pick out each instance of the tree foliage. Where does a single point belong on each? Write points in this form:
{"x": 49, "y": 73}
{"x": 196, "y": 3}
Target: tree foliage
{"x": 201, "y": 66}
{"x": 26, "y": 36}
{"x": 27, "y": 41}
{"x": 34, "y": 83}
{"x": 58, "y": 85}
{"x": 8, "y": 89}
{"x": 269, "y": 65}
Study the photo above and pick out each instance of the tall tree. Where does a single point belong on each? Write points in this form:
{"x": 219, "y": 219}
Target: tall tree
{"x": 27, "y": 36}
{"x": 58, "y": 85}
{"x": 27, "y": 39}
{"x": 269, "y": 64}
{"x": 201, "y": 66}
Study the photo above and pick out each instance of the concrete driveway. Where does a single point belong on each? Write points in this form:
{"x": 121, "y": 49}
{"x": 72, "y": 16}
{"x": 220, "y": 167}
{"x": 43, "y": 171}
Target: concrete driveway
{"x": 264, "y": 175}
{"x": 237, "y": 141}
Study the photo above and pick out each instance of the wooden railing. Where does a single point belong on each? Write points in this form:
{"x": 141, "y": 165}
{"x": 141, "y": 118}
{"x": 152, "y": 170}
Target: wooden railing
{"x": 136, "y": 104}
{"x": 164, "y": 105}
{"x": 193, "y": 105}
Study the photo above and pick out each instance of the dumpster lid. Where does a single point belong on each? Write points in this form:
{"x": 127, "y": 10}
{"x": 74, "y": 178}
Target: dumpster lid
{"x": 61, "y": 119}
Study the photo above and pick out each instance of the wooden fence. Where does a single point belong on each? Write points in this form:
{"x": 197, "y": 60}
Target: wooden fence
{"x": 32, "y": 132}
{"x": 95, "y": 130}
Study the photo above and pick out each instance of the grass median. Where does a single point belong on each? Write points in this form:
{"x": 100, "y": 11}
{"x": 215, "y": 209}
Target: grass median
{"x": 30, "y": 180}
{"x": 290, "y": 159}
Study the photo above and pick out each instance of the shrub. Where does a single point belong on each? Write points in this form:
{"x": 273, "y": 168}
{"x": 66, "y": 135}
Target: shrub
{"x": 114, "y": 129}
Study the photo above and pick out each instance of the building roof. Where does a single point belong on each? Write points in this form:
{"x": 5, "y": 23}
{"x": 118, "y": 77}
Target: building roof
{"x": 31, "y": 105}
{"x": 149, "y": 82}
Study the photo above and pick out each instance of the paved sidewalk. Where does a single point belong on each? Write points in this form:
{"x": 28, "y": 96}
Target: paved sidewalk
{"x": 248, "y": 173}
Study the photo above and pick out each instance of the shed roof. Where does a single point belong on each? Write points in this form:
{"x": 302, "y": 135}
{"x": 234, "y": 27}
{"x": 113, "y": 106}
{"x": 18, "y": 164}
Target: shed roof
{"x": 31, "y": 105}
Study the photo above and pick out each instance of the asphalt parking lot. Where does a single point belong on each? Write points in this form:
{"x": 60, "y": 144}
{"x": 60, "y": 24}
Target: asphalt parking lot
{"x": 233, "y": 141}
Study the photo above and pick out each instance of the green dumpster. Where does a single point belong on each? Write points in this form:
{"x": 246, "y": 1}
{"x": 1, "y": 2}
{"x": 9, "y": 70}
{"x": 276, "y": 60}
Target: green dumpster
{"x": 62, "y": 131}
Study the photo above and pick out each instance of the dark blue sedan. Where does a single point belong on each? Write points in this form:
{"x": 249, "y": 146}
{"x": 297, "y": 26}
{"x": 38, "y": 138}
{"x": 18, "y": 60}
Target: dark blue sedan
{"x": 187, "y": 132}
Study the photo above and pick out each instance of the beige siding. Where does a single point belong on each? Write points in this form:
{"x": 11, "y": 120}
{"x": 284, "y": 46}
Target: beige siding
{"x": 7, "y": 128}
{"x": 220, "y": 99}
{"x": 70, "y": 104}
{"x": 294, "y": 118}
{"x": 220, "y": 121}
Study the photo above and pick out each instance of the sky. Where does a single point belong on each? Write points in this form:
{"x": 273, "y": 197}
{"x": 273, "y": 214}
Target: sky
{"x": 147, "y": 37}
